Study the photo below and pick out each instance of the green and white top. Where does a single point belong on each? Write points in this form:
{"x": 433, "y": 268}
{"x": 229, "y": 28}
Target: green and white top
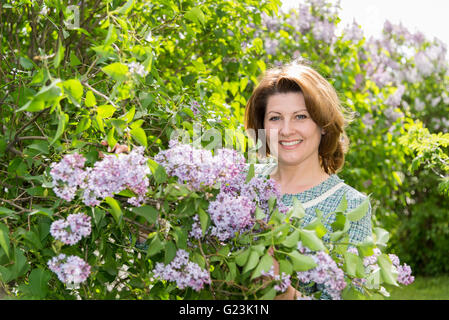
{"x": 326, "y": 197}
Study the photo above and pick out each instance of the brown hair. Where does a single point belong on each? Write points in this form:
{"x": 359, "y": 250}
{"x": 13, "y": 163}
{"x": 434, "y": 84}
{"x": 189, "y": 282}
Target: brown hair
{"x": 322, "y": 104}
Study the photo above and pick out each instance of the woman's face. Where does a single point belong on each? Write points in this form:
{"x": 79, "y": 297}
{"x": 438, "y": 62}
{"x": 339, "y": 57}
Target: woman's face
{"x": 293, "y": 137}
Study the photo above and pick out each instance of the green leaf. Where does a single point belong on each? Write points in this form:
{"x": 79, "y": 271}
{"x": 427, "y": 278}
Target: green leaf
{"x": 381, "y": 237}
{"x": 26, "y": 63}
{"x": 196, "y": 16}
{"x": 359, "y": 212}
{"x": 4, "y": 239}
{"x": 43, "y": 98}
{"x": 285, "y": 266}
{"x": 155, "y": 246}
{"x": 351, "y": 293}
{"x": 110, "y": 138}
{"x": 252, "y": 262}
{"x": 292, "y": 239}
{"x": 105, "y": 111}
{"x": 39, "y": 279}
{"x": 204, "y": 220}
{"x": 264, "y": 265}
{"x": 98, "y": 216}
{"x": 63, "y": 120}
{"x": 59, "y": 55}
{"x": 297, "y": 209}
{"x": 170, "y": 252}
{"x": 343, "y": 205}
{"x": 116, "y": 211}
{"x": 259, "y": 214}
{"x": 339, "y": 223}
{"x": 126, "y": 7}
{"x": 116, "y": 71}
{"x": 301, "y": 262}
{"x": 139, "y": 135}
{"x": 74, "y": 61}
{"x": 90, "y": 99}
{"x": 250, "y": 174}
{"x": 386, "y": 270}
{"x": 354, "y": 265}
{"x": 158, "y": 172}
{"x": 269, "y": 295}
{"x": 310, "y": 240}
{"x": 242, "y": 257}
{"x": 148, "y": 212}
{"x": 74, "y": 89}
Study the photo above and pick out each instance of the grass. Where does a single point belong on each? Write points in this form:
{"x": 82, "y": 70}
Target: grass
{"x": 423, "y": 288}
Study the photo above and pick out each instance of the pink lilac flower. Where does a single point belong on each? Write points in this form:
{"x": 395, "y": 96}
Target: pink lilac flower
{"x": 282, "y": 281}
{"x": 71, "y": 231}
{"x": 198, "y": 168}
{"x": 116, "y": 173}
{"x": 111, "y": 175}
{"x": 68, "y": 175}
{"x": 70, "y": 270}
{"x": 182, "y": 271}
{"x": 230, "y": 214}
{"x": 404, "y": 271}
{"x": 196, "y": 231}
{"x": 394, "y": 100}
{"x": 326, "y": 273}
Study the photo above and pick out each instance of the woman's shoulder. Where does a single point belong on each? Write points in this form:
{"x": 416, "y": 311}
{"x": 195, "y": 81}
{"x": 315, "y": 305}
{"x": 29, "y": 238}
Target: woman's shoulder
{"x": 353, "y": 196}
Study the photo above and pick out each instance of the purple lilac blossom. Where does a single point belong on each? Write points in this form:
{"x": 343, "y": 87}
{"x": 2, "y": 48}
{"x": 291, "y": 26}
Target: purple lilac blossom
{"x": 70, "y": 270}
{"x": 230, "y": 214}
{"x": 116, "y": 173}
{"x": 68, "y": 175}
{"x": 283, "y": 280}
{"x": 198, "y": 168}
{"x": 111, "y": 175}
{"x": 182, "y": 271}
{"x": 370, "y": 262}
{"x": 196, "y": 231}
{"x": 326, "y": 273}
{"x": 71, "y": 231}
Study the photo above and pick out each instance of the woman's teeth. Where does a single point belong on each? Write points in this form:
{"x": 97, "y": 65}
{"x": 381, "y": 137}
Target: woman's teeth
{"x": 291, "y": 143}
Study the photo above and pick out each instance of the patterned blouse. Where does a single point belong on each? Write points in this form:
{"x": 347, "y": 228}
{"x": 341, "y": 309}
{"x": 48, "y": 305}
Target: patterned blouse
{"x": 326, "y": 197}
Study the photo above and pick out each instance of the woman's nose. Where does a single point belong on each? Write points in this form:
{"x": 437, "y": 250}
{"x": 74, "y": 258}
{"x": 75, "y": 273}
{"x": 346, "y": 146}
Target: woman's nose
{"x": 286, "y": 128}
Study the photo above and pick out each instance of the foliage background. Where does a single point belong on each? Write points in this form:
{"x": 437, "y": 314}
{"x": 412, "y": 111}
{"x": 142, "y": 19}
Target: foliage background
{"x": 67, "y": 86}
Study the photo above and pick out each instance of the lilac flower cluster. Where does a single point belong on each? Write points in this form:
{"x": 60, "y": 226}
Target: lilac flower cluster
{"x": 137, "y": 68}
{"x": 111, "y": 175}
{"x": 231, "y": 214}
{"x": 68, "y": 175}
{"x": 198, "y": 168}
{"x": 283, "y": 280}
{"x": 196, "y": 231}
{"x": 370, "y": 262}
{"x": 71, "y": 231}
{"x": 326, "y": 273}
{"x": 116, "y": 173}
{"x": 70, "y": 270}
{"x": 182, "y": 271}
{"x": 404, "y": 271}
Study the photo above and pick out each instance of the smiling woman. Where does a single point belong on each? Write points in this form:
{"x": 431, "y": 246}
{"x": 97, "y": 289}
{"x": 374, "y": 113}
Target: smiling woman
{"x": 304, "y": 126}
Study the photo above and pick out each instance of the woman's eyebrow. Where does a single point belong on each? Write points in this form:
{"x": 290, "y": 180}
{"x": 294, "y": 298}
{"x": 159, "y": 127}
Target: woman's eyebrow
{"x": 293, "y": 112}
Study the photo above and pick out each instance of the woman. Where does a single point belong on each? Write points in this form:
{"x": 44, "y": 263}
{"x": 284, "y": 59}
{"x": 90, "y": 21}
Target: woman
{"x": 304, "y": 126}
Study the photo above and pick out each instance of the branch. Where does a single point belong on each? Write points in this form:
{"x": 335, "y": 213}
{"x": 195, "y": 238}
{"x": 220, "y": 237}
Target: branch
{"x": 100, "y": 94}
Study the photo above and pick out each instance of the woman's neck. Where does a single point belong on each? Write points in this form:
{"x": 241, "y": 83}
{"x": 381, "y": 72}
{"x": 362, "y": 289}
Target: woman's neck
{"x": 296, "y": 179}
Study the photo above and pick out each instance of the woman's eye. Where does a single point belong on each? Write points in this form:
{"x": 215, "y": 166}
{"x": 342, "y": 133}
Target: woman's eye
{"x": 301, "y": 116}
{"x": 274, "y": 118}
